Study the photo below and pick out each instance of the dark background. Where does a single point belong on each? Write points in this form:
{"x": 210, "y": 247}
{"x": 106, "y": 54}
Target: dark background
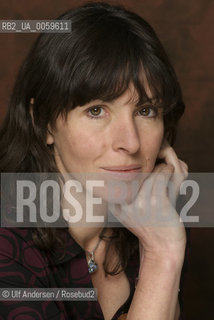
{"x": 186, "y": 29}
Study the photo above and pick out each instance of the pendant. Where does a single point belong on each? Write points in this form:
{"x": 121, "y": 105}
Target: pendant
{"x": 92, "y": 266}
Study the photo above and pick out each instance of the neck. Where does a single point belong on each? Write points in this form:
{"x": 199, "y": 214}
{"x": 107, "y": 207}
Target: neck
{"x": 87, "y": 237}
{"x": 85, "y": 233}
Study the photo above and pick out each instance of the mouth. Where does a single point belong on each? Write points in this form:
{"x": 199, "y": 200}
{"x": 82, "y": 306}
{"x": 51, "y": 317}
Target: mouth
{"x": 123, "y": 172}
{"x": 129, "y": 168}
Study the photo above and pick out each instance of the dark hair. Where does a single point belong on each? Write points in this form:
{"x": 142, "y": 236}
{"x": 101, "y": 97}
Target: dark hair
{"x": 108, "y": 48}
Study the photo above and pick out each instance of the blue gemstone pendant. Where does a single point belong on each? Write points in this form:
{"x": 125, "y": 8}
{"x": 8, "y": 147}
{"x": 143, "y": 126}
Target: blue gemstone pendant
{"x": 92, "y": 266}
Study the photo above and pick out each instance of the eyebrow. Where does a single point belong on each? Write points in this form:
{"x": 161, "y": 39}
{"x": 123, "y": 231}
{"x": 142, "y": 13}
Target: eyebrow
{"x": 136, "y": 104}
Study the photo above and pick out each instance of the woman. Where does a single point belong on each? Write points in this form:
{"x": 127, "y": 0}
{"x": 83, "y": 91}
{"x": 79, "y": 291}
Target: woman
{"x": 102, "y": 99}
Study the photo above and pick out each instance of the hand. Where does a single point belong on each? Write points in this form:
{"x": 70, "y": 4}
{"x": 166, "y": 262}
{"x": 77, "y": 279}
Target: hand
{"x": 158, "y": 240}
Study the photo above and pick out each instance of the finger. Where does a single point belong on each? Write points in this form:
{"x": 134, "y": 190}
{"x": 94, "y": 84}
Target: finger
{"x": 168, "y": 154}
{"x": 185, "y": 168}
{"x": 145, "y": 191}
{"x": 161, "y": 180}
{"x": 148, "y": 182}
{"x": 184, "y": 164}
{"x": 158, "y": 168}
{"x": 181, "y": 169}
{"x": 159, "y": 197}
{"x": 176, "y": 181}
{"x": 145, "y": 194}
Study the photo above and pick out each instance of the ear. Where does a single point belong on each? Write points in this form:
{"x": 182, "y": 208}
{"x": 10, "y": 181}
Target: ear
{"x": 31, "y": 109}
{"x": 49, "y": 137}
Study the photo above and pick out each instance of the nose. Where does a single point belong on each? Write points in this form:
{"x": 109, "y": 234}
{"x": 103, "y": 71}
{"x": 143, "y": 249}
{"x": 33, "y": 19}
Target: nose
{"x": 126, "y": 135}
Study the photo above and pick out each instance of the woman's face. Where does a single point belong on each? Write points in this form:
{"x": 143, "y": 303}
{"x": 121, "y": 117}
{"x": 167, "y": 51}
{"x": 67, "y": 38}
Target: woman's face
{"x": 113, "y": 137}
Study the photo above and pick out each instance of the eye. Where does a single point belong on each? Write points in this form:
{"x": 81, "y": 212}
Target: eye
{"x": 95, "y": 112}
{"x": 149, "y": 112}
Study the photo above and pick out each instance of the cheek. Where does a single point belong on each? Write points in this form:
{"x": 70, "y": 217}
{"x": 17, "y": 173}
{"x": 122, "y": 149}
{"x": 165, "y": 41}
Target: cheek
{"x": 85, "y": 146}
{"x": 156, "y": 140}
{"x": 151, "y": 140}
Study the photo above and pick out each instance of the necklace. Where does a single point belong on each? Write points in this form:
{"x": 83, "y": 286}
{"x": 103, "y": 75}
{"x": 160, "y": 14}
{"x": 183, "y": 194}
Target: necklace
{"x": 92, "y": 265}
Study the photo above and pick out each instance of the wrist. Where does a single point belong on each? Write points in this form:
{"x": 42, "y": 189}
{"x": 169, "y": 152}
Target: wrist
{"x": 164, "y": 261}
{"x": 170, "y": 254}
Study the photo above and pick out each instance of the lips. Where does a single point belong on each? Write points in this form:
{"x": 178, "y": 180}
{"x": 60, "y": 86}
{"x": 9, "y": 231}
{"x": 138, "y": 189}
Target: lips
{"x": 126, "y": 173}
{"x": 128, "y": 168}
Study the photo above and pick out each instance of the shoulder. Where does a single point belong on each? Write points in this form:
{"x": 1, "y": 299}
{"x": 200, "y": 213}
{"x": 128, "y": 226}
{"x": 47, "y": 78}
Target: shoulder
{"x": 22, "y": 265}
{"x": 16, "y": 244}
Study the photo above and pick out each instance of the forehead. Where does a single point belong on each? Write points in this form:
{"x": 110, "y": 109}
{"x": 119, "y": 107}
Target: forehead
{"x": 130, "y": 96}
